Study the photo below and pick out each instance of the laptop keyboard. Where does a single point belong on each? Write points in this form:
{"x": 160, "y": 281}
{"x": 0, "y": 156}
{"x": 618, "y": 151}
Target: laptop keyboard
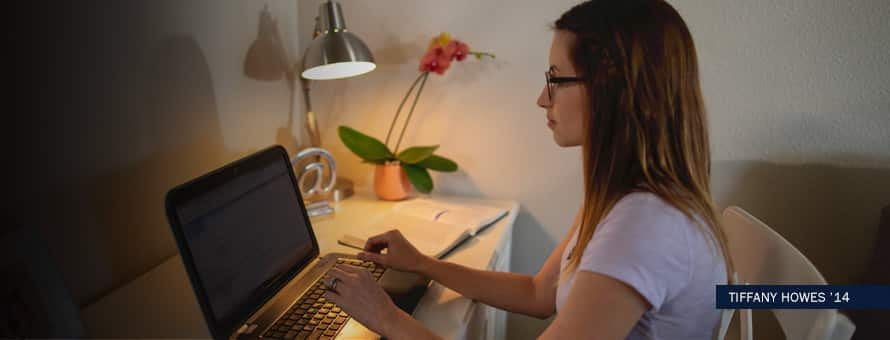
{"x": 313, "y": 317}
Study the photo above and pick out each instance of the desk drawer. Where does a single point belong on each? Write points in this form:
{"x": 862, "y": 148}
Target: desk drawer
{"x": 500, "y": 259}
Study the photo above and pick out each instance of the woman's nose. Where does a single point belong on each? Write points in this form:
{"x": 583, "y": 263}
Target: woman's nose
{"x": 543, "y": 99}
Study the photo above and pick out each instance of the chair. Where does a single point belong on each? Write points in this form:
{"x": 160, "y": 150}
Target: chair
{"x": 762, "y": 256}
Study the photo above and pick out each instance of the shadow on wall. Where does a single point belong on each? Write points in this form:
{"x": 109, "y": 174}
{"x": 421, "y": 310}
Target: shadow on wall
{"x": 530, "y": 234}
{"x": 128, "y": 202}
{"x": 111, "y": 225}
{"x": 455, "y": 183}
{"x": 528, "y": 231}
{"x": 830, "y": 213}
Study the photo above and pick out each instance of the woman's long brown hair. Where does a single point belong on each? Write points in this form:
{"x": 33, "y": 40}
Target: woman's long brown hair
{"x": 647, "y": 128}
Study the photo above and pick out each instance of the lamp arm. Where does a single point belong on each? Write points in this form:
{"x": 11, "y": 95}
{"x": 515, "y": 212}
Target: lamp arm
{"x": 311, "y": 122}
{"x": 304, "y": 84}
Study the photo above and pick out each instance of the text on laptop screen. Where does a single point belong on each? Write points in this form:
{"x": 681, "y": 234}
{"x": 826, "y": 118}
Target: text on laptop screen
{"x": 244, "y": 235}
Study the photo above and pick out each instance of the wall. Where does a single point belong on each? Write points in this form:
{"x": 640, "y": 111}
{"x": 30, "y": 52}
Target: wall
{"x": 797, "y": 93}
{"x": 116, "y": 102}
{"x": 126, "y": 100}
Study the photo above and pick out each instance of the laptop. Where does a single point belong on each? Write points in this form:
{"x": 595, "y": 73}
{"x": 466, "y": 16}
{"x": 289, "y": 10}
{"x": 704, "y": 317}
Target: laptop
{"x": 247, "y": 243}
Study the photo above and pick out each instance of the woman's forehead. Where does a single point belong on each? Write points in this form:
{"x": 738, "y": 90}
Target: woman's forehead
{"x": 560, "y": 56}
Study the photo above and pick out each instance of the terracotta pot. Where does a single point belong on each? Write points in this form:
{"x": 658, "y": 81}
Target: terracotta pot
{"x": 391, "y": 183}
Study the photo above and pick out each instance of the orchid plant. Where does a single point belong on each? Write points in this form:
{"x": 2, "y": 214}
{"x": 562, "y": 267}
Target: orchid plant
{"x": 417, "y": 160}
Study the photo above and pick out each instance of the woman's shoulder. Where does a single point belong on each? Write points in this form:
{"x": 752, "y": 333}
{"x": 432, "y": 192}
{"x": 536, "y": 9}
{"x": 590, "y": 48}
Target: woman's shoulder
{"x": 646, "y": 211}
{"x": 646, "y": 243}
{"x": 645, "y": 221}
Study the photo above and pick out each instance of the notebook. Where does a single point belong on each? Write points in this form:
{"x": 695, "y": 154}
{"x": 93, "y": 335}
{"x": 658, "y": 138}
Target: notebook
{"x": 433, "y": 226}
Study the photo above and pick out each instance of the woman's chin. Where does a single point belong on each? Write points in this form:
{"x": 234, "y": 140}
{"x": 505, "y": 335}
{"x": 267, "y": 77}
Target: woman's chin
{"x": 562, "y": 142}
{"x": 559, "y": 141}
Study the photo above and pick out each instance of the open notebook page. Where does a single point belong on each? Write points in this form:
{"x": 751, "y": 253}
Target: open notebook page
{"x": 471, "y": 217}
{"x": 429, "y": 237}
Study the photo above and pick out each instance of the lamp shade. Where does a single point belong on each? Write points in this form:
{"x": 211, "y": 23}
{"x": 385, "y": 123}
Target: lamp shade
{"x": 335, "y": 53}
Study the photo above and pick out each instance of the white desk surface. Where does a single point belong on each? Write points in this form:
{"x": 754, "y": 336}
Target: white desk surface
{"x": 161, "y": 302}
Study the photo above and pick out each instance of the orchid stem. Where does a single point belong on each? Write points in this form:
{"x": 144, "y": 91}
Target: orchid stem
{"x": 399, "y": 111}
{"x": 411, "y": 112}
{"x": 479, "y": 55}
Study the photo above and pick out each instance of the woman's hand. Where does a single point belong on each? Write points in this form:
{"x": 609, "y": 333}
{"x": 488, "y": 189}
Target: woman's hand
{"x": 400, "y": 254}
{"x": 357, "y": 293}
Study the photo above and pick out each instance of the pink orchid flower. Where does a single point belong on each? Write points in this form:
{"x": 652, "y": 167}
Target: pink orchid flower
{"x": 435, "y": 60}
{"x": 442, "y": 50}
{"x": 457, "y": 50}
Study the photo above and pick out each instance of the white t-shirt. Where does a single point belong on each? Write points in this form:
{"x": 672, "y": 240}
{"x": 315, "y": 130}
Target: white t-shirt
{"x": 651, "y": 246}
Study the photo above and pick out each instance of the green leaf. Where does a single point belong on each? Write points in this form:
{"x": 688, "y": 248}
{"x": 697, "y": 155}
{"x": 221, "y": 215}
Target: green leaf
{"x": 438, "y": 163}
{"x": 419, "y": 177}
{"x": 364, "y": 146}
{"x": 416, "y": 154}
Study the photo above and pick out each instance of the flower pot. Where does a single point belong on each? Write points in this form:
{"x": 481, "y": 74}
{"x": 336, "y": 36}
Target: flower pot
{"x": 391, "y": 183}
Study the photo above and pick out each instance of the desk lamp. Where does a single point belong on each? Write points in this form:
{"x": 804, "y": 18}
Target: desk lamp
{"x": 334, "y": 53}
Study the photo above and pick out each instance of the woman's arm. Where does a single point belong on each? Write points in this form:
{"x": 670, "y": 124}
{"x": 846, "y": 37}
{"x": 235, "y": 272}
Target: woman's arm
{"x": 530, "y": 295}
{"x": 598, "y": 307}
{"x": 358, "y": 293}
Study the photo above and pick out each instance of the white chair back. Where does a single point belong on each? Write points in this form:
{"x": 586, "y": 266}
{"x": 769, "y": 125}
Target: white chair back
{"x": 762, "y": 256}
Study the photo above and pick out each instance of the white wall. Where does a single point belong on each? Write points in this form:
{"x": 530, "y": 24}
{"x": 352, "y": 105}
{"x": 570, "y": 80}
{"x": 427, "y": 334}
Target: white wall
{"x": 797, "y": 93}
{"x": 137, "y": 97}
{"x": 795, "y": 81}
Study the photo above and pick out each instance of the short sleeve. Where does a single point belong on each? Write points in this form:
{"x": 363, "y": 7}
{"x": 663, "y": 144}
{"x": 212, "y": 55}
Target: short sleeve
{"x": 642, "y": 242}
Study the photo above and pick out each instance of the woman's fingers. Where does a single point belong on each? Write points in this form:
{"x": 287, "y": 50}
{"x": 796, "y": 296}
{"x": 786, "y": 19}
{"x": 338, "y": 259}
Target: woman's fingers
{"x": 373, "y": 257}
{"x": 346, "y": 274}
{"x": 333, "y": 296}
{"x": 339, "y": 272}
{"x": 349, "y": 279}
{"x": 344, "y": 279}
{"x": 377, "y": 243}
{"x": 348, "y": 269}
{"x": 358, "y": 293}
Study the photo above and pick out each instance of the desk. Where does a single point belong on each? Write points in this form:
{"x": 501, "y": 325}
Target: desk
{"x": 162, "y": 304}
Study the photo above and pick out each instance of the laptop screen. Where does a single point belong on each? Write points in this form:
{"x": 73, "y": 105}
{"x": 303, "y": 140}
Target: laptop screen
{"x": 247, "y": 234}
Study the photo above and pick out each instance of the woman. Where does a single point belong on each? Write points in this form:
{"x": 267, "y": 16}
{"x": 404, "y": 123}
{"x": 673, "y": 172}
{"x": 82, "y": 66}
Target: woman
{"x": 646, "y": 247}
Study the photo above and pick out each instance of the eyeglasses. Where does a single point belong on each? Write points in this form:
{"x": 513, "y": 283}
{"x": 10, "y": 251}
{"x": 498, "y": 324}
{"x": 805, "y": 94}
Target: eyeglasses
{"x": 552, "y": 82}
